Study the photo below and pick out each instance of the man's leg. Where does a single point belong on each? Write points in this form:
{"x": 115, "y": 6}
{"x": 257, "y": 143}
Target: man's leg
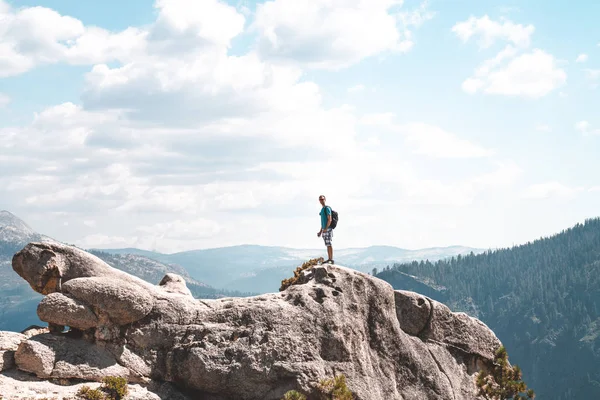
{"x": 327, "y": 240}
{"x": 330, "y": 252}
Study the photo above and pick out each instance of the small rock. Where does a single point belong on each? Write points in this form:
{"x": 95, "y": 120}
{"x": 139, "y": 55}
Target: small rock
{"x": 174, "y": 283}
{"x": 413, "y": 311}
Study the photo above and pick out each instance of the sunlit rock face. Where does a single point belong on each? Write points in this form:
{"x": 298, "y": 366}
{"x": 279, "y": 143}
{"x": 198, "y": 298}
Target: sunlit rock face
{"x": 332, "y": 320}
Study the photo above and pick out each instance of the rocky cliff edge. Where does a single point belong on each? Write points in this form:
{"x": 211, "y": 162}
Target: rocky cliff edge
{"x": 389, "y": 344}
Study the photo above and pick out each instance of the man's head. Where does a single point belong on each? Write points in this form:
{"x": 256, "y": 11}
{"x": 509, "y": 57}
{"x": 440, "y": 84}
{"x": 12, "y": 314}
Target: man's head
{"x": 322, "y": 200}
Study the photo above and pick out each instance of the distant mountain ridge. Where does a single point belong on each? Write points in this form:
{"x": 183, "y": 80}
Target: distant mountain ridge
{"x": 392, "y": 252}
{"x": 261, "y": 268}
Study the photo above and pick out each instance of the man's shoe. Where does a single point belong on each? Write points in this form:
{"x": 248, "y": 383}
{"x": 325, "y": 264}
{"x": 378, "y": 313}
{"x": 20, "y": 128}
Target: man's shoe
{"x": 328, "y": 262}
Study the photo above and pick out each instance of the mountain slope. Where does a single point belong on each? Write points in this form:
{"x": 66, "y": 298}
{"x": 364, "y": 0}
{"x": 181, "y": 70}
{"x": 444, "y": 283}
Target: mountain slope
{"x": 542, "y": 299}
{"x": 15, "y": 232}
{"x": 16, "y": 297}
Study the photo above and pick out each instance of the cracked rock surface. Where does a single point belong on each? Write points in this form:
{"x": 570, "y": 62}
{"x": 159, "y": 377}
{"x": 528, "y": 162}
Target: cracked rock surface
{"x": 333, "y": 320}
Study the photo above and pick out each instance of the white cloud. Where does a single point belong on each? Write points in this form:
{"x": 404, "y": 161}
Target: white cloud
{"x": 506, "y": 173}
{"x": 98, "y": 45}
{"x": 106, "y": 186}
{"x": 334, "y": 34}
{"x": 593, "y": 75}
{"x": 533, "y": 75}
{"x": 32, "y": 36}
{"x": 582, "y": 126}
{"x": 179, "y": 229}
{"x": 581, "y": 58}
{"x": 396, "y": 183}
{"x": 512, "y": 72}
{"x": 152, "y": 176}
{"x": 211, "y": 20}
{"x": 473, "y": 85}
{"x": 586, "y": 128}
{"x": 210, "y": 85}
{"x": 356, "y": 88}
{"x": 99, "y": 240}
{"x": 433, "y": 141}
{"x": 4, "y": 100}
{"x": 550, "y": 190}
{"x": 425, "y": 139}
{"x": 491, "y": 31}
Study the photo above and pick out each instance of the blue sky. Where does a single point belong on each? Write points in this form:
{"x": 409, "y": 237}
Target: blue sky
{"x": 180, "y": 124}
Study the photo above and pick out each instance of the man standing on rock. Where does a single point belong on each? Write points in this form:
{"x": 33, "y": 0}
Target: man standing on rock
{"x": 326, "y": 231}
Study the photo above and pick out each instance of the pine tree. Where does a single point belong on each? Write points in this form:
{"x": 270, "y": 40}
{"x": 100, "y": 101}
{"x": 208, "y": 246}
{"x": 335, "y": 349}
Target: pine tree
{"x": 503, "y": 382}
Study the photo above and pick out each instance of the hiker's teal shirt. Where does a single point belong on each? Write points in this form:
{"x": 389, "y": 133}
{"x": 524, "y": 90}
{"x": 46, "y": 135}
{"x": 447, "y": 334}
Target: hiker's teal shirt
{"x": 325, "y": 211}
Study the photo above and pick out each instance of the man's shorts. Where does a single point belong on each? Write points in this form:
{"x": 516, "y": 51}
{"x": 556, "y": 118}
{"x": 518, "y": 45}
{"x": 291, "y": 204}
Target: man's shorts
{"x": 327, "y": 236}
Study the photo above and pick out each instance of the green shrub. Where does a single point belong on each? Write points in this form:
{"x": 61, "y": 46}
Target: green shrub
{"x": 115, "y": 387}
{"x": 292, "y": 395}
{"x": 503, "y": 382}
{"x": 291, "y": 281}
{"x": 87, "y": 393}
{"x": 335, "y": 389}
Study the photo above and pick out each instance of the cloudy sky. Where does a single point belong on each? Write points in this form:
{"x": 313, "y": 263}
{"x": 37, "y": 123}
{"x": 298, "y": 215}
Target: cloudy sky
{"x": 181, "y": 124}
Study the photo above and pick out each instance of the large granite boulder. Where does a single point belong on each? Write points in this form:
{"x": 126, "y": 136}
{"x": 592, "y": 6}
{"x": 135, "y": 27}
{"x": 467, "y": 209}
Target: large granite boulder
{"x": 333, "y": 320}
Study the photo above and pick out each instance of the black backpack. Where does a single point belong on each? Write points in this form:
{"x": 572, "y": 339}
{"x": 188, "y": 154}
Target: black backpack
{"x": 334, "y": 219}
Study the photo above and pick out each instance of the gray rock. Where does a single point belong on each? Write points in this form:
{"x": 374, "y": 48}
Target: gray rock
{"x": 121, "y": 303}
{"x": 34, "y": 330}
{"x": 52, "y": 356}
{"x": 174, "y": 283}
{"x": 9, "y": 342}
{"x": 36, "y": 357}
{"x": 63, "y": 310}
{"x": 413, "y": 311}
{"x": 47, "y": 266}
{"x": 334, "y": 320}
{"x": 460, "y": 331}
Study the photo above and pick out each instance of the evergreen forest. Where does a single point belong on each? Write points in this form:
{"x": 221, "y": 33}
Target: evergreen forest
{"x": 542, "y": 299}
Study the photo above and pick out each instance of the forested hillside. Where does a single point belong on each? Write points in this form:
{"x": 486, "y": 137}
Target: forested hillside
{"x": 542, "y": 299}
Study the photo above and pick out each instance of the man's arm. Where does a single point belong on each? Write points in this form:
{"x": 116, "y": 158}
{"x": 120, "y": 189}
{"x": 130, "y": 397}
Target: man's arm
{"x": 328, "y": 211}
